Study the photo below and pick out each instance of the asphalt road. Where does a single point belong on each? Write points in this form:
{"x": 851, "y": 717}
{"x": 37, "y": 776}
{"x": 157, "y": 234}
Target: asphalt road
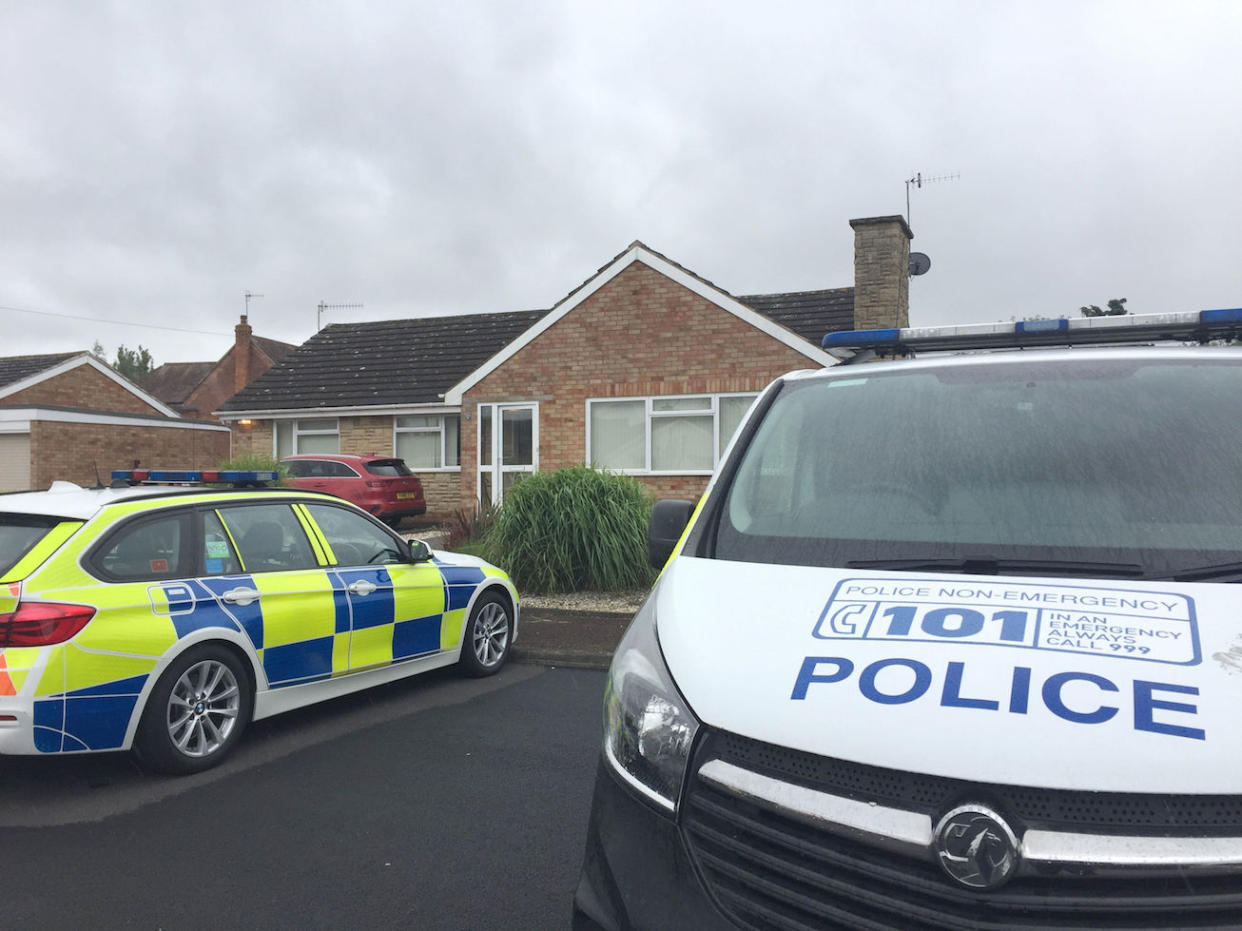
{"x": 432, "y": 803}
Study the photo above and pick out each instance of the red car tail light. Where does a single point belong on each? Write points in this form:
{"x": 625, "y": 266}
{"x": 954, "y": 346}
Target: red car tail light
{"x": 41, "y": 624}
{"x": 371, "y": 483}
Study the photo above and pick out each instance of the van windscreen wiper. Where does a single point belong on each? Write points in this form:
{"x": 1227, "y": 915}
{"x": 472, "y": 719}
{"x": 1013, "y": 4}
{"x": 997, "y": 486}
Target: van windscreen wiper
{"x": 989, "y": 565}
{"x": 1218, "y": 572}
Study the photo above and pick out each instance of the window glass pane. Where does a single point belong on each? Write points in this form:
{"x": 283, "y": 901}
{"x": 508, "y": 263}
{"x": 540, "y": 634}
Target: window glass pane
{"x": 149, "y": 549}
{"x": 452, "y": 440}
{"x": 517, "y": 437}
{"x": 388, "y": 467}
{"x": 320, "y": 423}
{"x": 618, "y": 435}
{"x": 485, "y": 435}
{"x": 19, "y": 534}
{"x": 419, "y": 450}
{"x": 269, "y": 537}
{"x": 418, "y": 420}
{"x": 485, "y": 487}
{"x": 355, "y": 541}
{"x": 319, "y": 443}
{"x": 284, "y": 438}
{"x": 732, "y": 410}
{"x": 338, "y": 470}
{"x": 681, "y": 404}
{"x": 681, "y": 443}
{"x": 218, "y": 555}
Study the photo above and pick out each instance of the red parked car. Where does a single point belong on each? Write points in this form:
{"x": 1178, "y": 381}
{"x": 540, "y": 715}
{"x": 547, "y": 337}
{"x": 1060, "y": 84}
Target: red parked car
{"x": 381, "y": 485}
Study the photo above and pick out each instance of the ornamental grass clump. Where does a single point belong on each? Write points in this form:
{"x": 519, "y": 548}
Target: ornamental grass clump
{"x": 571, "y": 530}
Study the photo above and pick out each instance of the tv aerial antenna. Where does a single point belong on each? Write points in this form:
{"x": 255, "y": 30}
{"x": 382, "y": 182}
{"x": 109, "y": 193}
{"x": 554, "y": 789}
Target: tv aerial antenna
{"x": 918, "y": 181}
{"x": 324, "y": 306}
{"x": 249, "y": 296}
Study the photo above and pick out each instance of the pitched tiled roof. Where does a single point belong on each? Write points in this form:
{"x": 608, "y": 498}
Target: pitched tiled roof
{"x": 810, "y": 314}
{"x": 274, "y": 348}
{"x": 172, "y": 382}
{"x": 17, "y": 368}
{"x": 389, "y": 362}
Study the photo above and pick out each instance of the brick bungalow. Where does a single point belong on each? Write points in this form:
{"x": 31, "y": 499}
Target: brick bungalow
{"x": 64, "y": 416}
{"x": 645, "y": 368}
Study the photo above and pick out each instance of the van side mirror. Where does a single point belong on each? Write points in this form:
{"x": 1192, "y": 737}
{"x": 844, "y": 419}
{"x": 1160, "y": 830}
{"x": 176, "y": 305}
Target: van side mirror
{"x": 419, "y": 551}
{"x": 667, "y": 523}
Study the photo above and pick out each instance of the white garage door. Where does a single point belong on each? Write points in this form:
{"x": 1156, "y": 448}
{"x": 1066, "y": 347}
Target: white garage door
{"x": 14, "y": 461}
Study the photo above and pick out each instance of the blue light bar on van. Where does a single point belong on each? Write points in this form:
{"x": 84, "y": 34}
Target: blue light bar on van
{"x": 193, "y": 476}
{"x": 1195, "y": 326}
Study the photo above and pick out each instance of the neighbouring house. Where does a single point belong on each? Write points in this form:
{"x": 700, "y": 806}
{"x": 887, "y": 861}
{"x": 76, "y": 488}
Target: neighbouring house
{"x": 68, "y": 416}
{"x": 196, "y": 389}
{"x": 645, "y": 368}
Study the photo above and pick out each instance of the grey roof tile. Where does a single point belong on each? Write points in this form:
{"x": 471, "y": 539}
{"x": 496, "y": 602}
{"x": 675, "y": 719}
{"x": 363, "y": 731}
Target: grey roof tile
{"x": 380, "y": 363}
{"x": 810, "y": 314}
{"x": 18, "y": 368}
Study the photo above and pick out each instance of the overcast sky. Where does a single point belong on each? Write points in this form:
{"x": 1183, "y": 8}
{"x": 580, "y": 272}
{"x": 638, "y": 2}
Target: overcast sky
{"x": 158, "y": 160}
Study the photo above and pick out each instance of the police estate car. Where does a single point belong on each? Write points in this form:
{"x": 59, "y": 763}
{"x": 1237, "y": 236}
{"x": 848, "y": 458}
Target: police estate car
{"x": 950, "y": 641}
{"x": 166, "y": 617}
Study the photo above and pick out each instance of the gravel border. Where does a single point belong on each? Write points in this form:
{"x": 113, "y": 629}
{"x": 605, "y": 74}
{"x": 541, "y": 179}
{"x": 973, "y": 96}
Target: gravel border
{"x": 604, "y": 602}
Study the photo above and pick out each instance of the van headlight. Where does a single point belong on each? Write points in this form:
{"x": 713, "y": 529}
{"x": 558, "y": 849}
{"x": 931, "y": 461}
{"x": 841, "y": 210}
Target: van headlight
{"x": 648, "y": 729}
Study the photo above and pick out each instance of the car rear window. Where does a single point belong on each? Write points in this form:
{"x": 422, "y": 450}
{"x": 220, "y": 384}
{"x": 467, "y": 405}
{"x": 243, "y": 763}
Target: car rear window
{"x": 389, "y": 467}
{"x": 18, "y": 535}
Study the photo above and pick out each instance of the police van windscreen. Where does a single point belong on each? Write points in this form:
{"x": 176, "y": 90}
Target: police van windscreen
{"x": 18, "y": 535}
{"x": 1128, "y": 462}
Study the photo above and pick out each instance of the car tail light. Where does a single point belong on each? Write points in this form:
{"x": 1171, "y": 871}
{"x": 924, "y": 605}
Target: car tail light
{"x": 42, "y": 623}
{"x": 371, "y": 483}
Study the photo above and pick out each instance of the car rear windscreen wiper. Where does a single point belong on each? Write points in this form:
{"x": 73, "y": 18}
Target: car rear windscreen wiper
{"x": 989, "y": 565}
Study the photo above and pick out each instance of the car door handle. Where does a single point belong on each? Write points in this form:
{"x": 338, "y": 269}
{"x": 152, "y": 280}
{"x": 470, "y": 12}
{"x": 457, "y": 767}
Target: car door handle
{"x": 361, "y": 587}
{"x": 241, "y": 596}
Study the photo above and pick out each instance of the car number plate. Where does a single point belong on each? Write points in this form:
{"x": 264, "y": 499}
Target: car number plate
{"x": 405, "y": 494}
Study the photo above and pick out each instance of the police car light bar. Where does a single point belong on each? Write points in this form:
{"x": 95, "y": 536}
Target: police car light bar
{"x": 192, "y": 476}
{"x": 1191, "y": 326}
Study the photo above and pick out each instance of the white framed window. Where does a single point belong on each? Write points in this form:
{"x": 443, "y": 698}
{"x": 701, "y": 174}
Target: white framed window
{"x": 428, "y": 441}
{"x": 306, "y": 435}
{"x": 683, "y": 434}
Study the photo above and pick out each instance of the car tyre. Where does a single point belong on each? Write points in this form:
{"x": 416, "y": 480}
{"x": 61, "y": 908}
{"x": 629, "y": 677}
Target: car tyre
{"x": 196, "y": 713}
{"x": 487, "y": 637}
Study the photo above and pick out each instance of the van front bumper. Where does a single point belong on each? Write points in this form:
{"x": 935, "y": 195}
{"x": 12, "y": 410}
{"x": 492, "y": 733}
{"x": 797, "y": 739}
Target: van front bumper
{"x": 636, "y": 872}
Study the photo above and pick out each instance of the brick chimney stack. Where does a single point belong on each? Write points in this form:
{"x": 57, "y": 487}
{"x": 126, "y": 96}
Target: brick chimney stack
{"x": 881, "y": 272}
{"x": 241, "y": 355}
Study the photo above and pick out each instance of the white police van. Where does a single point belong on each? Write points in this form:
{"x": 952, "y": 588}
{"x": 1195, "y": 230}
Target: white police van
{"x": 950, "y": 641}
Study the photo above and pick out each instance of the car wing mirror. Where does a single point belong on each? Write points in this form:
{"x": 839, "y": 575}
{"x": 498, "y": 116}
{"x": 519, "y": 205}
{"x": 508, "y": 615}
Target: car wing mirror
{"x": 419, "y": 551}
{"x": 668, "y": 522}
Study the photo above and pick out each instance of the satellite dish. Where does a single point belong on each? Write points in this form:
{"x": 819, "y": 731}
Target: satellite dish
{"x": 919, "y": 263}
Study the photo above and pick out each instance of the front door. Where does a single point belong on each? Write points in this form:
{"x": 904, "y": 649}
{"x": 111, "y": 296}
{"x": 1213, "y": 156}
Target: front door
{"x": 508, "y": 447}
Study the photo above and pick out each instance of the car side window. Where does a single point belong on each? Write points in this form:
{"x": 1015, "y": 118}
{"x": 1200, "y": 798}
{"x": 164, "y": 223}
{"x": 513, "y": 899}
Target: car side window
{"x": 300, "y": 468}
{"x": 219, "y": 557}
{"x": 147, "y": 549}
{"x": 340, "y": 470}
{"x": 268, "y": 536}
{"x": 355, "y": 540}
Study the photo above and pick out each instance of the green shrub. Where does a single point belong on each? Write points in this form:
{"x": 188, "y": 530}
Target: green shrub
{"x": 574, "y": 529}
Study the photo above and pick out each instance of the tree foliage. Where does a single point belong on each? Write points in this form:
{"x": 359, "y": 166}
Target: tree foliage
{"x": 1116, "y": 308}
{"x": 134, "y": 364}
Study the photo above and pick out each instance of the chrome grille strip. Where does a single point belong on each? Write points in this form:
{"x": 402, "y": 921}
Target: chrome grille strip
{"x": 905, "y": 832}
{"x": 1043, "y": 852}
